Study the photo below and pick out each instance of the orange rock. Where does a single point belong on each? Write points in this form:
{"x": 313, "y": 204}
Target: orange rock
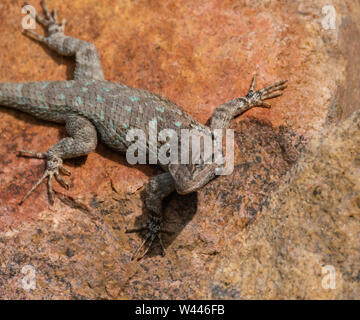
{"x": 198, "y": 54}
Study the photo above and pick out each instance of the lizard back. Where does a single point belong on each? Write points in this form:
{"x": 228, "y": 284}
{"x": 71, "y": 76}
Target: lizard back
{"x": 113, "y": 108}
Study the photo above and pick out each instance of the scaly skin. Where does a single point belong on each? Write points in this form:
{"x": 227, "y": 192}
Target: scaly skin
{"x": 89, "y": 107}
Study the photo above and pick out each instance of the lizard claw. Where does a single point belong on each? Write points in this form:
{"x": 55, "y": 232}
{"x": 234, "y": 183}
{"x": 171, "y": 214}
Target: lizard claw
{"x": 50, "y": 22}
{"x": 154, "y": 230}
{"x": 256, "y": 98}
{"x": 53, "y": 166}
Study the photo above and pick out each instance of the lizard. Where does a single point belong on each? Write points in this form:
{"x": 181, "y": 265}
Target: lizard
{"x": 93, "y": 109}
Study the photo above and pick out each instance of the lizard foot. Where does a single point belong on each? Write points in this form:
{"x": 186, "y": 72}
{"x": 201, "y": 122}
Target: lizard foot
{"x": 154, "y": 230}
{"x": 50, "y": 22}
{"x": 53, "y": 167}
{"x": 256, "y": 98}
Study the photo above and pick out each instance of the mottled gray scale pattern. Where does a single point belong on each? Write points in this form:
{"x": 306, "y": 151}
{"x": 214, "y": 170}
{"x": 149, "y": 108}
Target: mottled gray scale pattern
{"x": 88, "y": 65}
{"x": 90, "y": 106}
{"x": 113, "y": 108}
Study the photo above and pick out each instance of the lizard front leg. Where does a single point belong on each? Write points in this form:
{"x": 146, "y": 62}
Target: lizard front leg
{"x": 88, "y": 64}
{"x": 191, "y": 177}
{"x": 156, "y": 190}
{"x": 225, "y": 113}
{"x": 81, "y": 141}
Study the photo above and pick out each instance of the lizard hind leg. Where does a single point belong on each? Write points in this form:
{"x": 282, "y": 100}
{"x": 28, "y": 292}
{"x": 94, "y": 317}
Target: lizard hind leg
{"x": 81, "y": 141}
{"x": 156, "y": 190}
{"x": 50, "y": 23}
{"x": 88, "y": 64}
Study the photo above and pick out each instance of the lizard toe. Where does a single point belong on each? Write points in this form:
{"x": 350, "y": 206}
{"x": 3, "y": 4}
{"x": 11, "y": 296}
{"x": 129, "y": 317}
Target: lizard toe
{"x": 53, "y": 166}
{"x": 153, "y": 230}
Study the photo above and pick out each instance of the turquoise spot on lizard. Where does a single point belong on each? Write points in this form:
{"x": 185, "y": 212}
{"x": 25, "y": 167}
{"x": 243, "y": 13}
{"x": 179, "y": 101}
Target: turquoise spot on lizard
{"x": 161, "y": 109}
{"x": 44, "y": 107}
{"x": 68, "y": 84}
{"x": 138, "y": 119}
{"x": 45, "y": 85}
{"x": 79, "y": 100}
{"x": 125, "y": 125}
{"x": 107, "y": 89}
{"x": 62, "y": 96}
{"x": 89, "y": 82}
{"x": 178, "y": 124}
{"x": 154, "y": 120}
{"x": 133, "y": 98}
{"x": 121, "y": 138}
{"x": 128, "y": 109}
{"x": 100, "y": 99}
{"x": 19, "y": 87}
{"x": 21, "y": 100}
{"x": 111, "y": 124}
{"x": 84, "y": 89}
{"x": 196, "y": 127}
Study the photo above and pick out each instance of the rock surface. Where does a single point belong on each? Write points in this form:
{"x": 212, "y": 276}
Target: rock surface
{"x": 199, "y": 54}
{"x": 309, "y": 232}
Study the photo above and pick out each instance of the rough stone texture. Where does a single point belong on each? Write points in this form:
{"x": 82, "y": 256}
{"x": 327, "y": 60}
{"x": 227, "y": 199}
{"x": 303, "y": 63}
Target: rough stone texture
{"x": 313, "y": 221}
{"x": 199, "y": 54}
